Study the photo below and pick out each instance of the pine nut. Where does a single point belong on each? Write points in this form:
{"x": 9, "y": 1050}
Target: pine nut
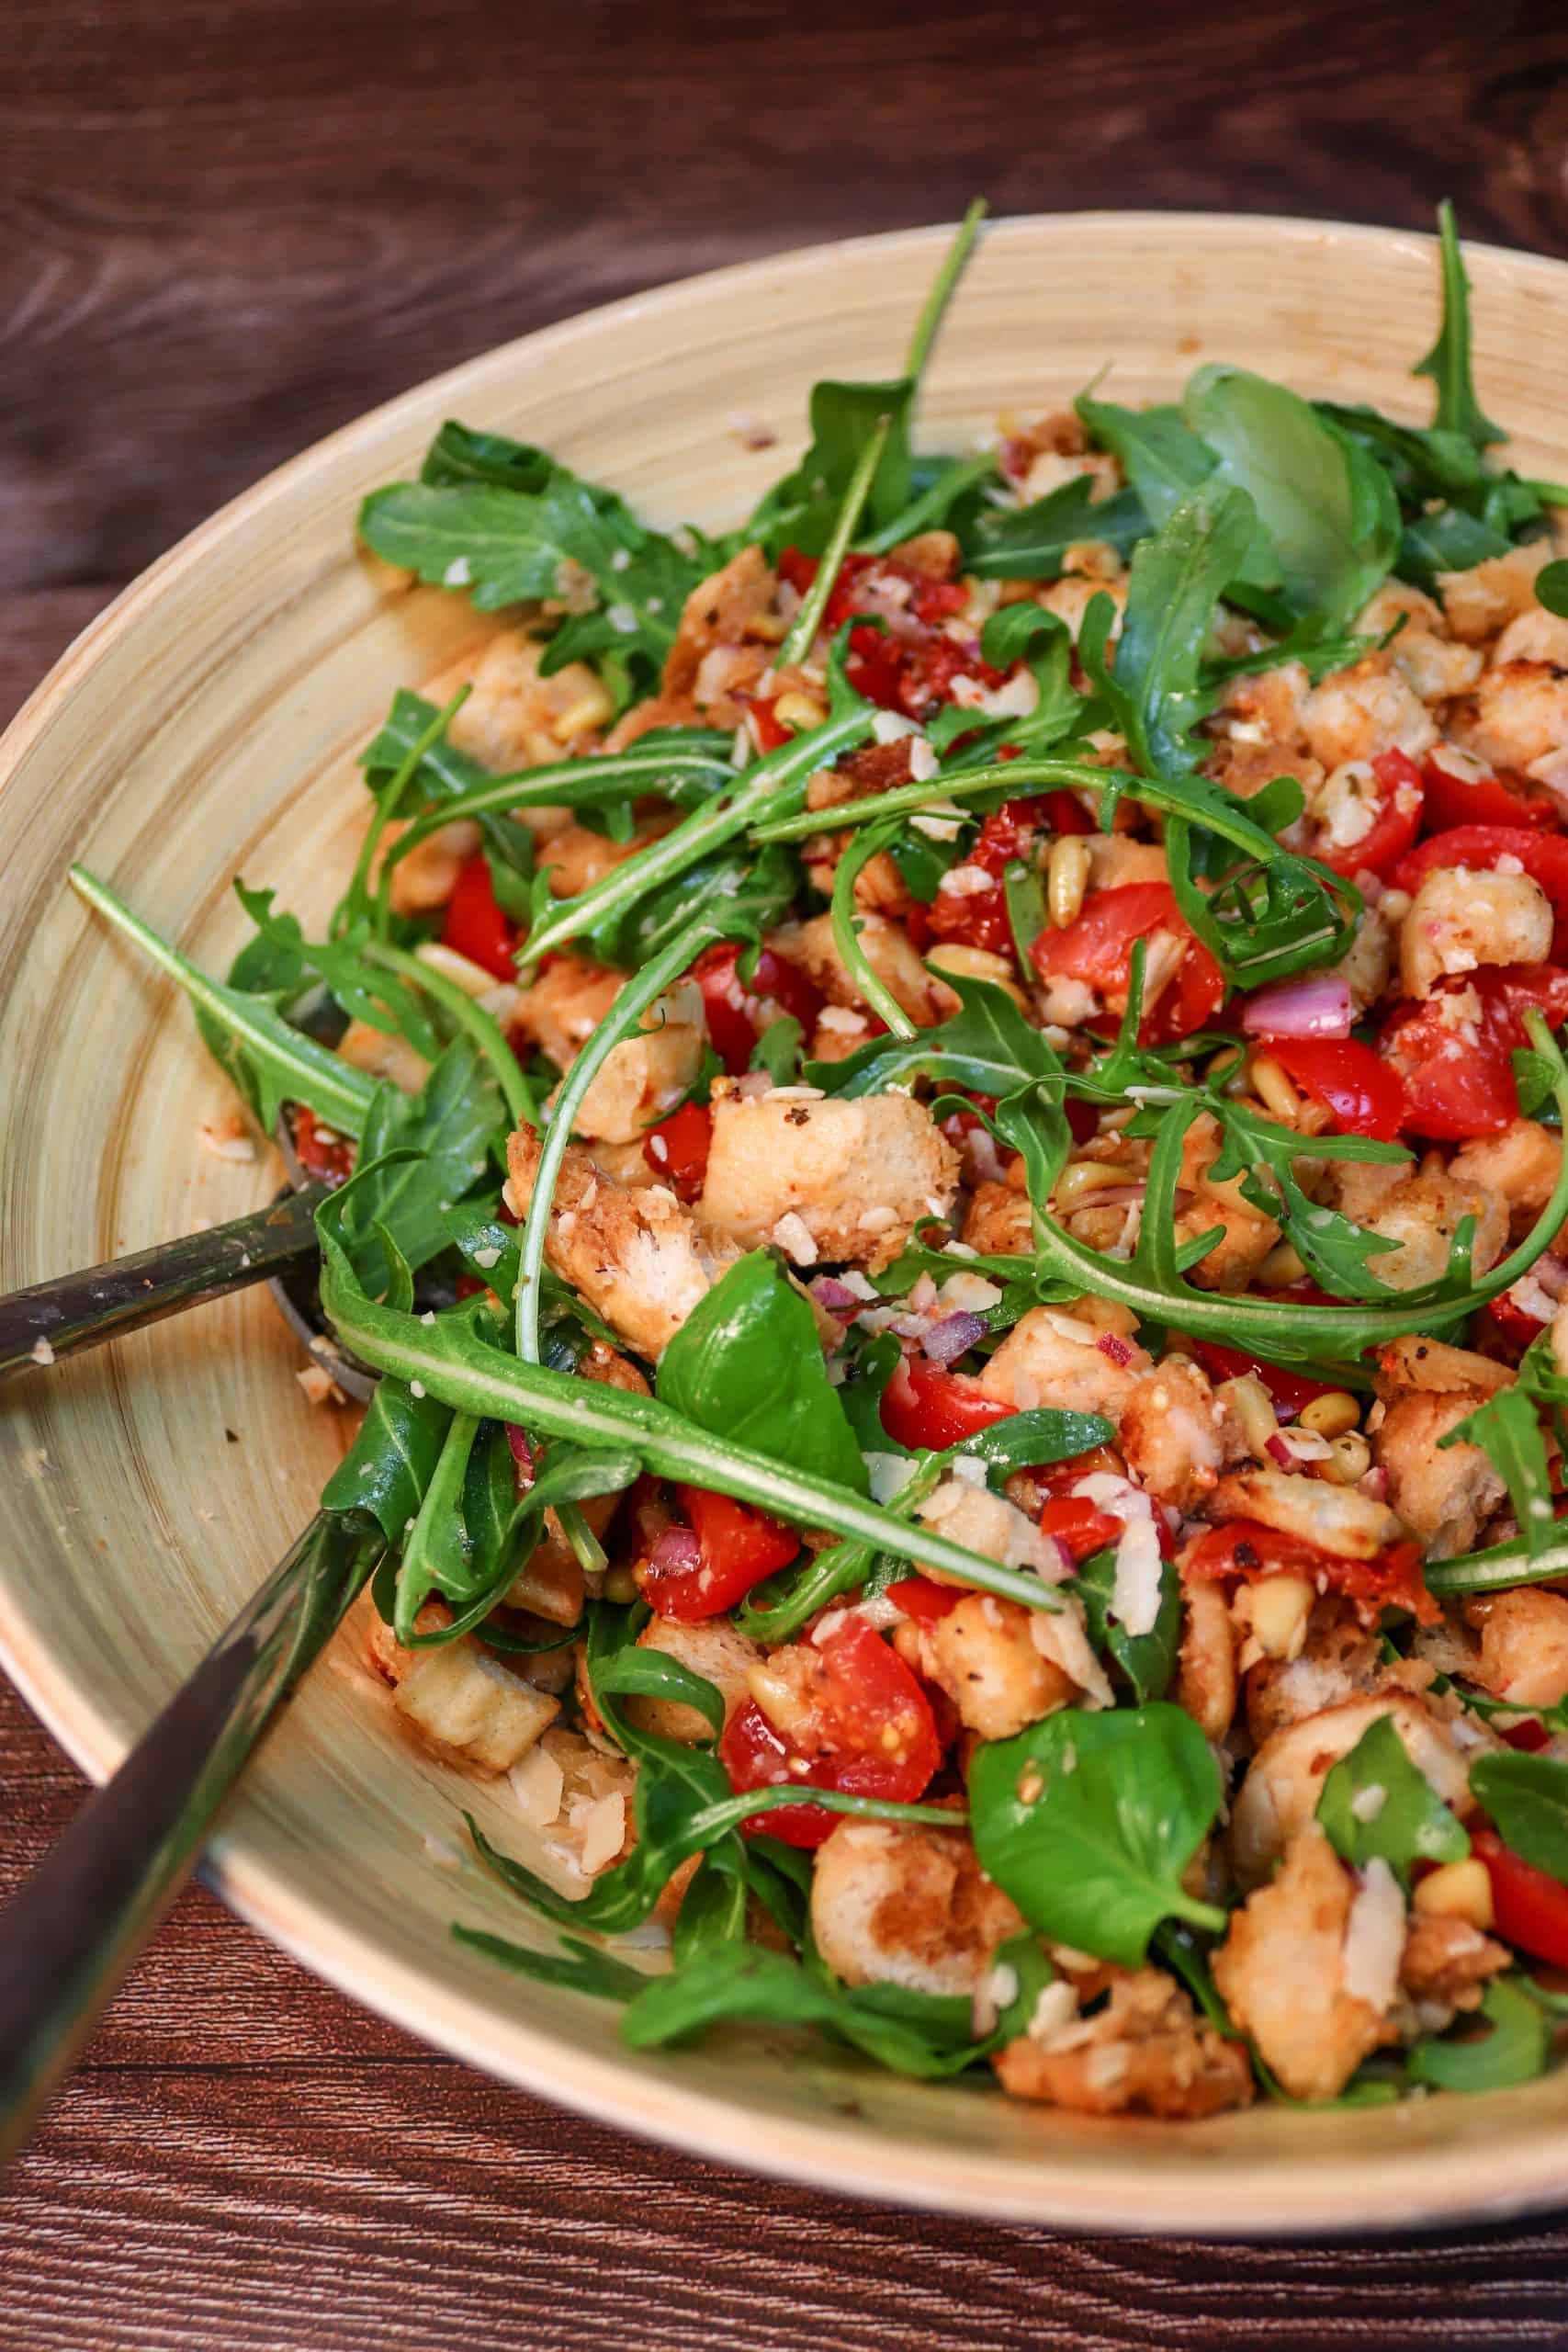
{"x": 1274, "y": 1089}
{"x": 1352, "y": 1458}
{"x": 799, "y": 711}
{"x": 977, "y": 964}
{"x": 1280, "y": 1607}
{"x": 1066, "y": 879}
{"x": 1331, "y": 1415}
{"x": 1086, "y": 1176}
{"x": 1254, "y": 1408}
{"x": 1281, "y": 1267}
{"x": 1456, "y": 1890}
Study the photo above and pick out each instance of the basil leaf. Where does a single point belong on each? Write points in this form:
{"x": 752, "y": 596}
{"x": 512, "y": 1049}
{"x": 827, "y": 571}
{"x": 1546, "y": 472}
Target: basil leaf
{"x": 778, "y": 1050}
{"x": 1527, "y": 1796}
{"x": 1507, "y": 1429}
{"x": 1551, "y": 587}
{"x": 1447, "y": 362}
{"x": 1328, "y": 509}
{"x": 420, "y": 1154}
{"x": 1515, "y": 2050}
{"x": 1088, "y": 1822}
{"x": 391, "y": 1461}
{"x": 1032, "y": 542}
{"x": 1147, "y": 1661}
{"x": 1375, "y": 1802}
{"x": 747, "y": 1364}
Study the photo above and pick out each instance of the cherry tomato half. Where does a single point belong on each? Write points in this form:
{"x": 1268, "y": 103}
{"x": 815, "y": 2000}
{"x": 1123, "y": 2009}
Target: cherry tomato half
{"x": 924, "y": 1405}
{"x": 475, "y": 925}
{"x": 1290, "y": 1390}
{"x": 927, "y": 1603}
{"x": 677, "y": 1150}
{"x": 1531, "y": 1906}
{"x": 736, "y": 1014}
{"x": 1458, "y": 1069}
{"x": 1395, "y": 823}
{"x": 1361, "y": 1091}
{"x": 866, "y": 1728}
{"x": 1461, "y": 790}
{"x": 1097, "y": 948}
{"x": 1074, "y": 1521}
{"x": 738, "y": 1546}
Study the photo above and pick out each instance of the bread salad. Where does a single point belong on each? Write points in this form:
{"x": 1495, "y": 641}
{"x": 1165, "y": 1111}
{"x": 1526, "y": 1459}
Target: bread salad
{"x": 942, "y": 1117}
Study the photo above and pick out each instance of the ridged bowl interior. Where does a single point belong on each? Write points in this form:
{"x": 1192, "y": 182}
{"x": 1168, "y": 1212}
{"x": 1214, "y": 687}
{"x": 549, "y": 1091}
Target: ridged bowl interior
{"x": 206, "y": 728}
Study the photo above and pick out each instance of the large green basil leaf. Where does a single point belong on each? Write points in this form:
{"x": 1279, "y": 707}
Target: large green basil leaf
{"x": 1088, "y": 1822}
{"x": 747, "y": 1364}
{"x": 1376, "y": 1803}
{"x": 1527, "y": 1796}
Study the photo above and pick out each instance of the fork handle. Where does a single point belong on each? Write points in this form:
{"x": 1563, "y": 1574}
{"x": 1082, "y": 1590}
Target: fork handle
{"x": 55, "y": 1319}
{"x": 70, "y": 1934}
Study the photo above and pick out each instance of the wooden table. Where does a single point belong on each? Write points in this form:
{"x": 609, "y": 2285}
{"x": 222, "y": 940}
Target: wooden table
{"x": 230, "y": 225}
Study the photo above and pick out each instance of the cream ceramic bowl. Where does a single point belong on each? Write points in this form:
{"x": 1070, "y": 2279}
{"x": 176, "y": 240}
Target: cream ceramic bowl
{"x": 206, "y": 727}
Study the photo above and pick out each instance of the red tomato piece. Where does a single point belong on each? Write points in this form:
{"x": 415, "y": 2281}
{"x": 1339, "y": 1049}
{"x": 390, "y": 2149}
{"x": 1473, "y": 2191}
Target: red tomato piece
{"x": 866, "y": 1729}
{"x": 320, "y": 1151}
{"x": 677, "y": 1148}
{"x": 1244, "y": 1547}
{"x": 475, "y": 925}
{"x": 912, "y": 666}
{"x": 980, "y": 919}
{"x": 766, "y": 724}
{"x": 1531, "y": 1905}
{"x": 924, "y": 1405}
{"x": 1097, "y": 948}
{"x": 1530, "y": 1738}
{"x": 1075, "y": 1521}
{"x": 1394, "y": 826}
{"x": 738, "y": 1547}
{"x": 737, "y": 1015}
{"x": 918, "y": 1598}
{"x": 1461, "y": 790}
{"x": 1290, "y": 1390}
{"x": 1459, "y": 1078}
{"x": 1360, "y": 1090}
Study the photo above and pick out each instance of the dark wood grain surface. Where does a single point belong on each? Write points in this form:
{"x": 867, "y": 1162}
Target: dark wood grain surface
{"x": 227, "y": 226}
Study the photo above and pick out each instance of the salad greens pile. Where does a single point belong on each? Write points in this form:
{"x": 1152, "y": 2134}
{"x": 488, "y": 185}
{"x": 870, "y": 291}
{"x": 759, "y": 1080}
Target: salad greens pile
{"x": 1240, "y": 499}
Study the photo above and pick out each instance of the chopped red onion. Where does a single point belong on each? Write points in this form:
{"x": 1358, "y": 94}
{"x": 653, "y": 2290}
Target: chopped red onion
{"x": 835, "y": 1295}
{"x": 1112, "y": 1344}
{"x": 911, "y": 1326}
{"x": 676, "y": 1549}
{"x": 522, "y": 1455}
{"x": 1319, "y": 1005}
{"x": 1065, "y": 1553}
{"x": 1278, "y": 1448}
{"x": 950, "y": 1339}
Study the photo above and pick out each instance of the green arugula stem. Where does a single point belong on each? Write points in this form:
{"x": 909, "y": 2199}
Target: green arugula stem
{"x": 846, "y": 934}
{"x": 772, "y": 782}
{"x": 480, "y": 1026}
{"x": 463, "y": 1371}
{"x": 813, "y": 604}
{"x": 933, "y": 309}
{"x": 623, "y": 1020}
{"x": 335, "y": 1090}
{"x": 437, "y": 1516}
{"x": 563, "y": 784}
{"x": 386, "y": 808}
{"x": 963, "y": 474}
{"x": 1499, "y": 1568}
{"x": 1015, "y": 776}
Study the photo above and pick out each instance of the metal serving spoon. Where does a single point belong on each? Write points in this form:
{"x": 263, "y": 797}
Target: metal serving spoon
{"x": 69, "y": 1935}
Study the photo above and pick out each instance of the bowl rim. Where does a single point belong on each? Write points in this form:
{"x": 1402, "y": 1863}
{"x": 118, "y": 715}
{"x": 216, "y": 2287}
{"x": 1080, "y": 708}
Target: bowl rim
{"x": 1285, "y": 2198}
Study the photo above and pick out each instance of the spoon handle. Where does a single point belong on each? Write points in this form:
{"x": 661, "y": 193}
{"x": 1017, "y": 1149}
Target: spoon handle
{"x": 69, "y": 1935}
{"x": 79, "y": 1310}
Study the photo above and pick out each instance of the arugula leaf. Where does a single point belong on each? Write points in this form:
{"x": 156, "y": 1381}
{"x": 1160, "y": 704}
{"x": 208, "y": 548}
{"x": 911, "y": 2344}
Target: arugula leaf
{"x": 1146, "y": 1661}
{"x": 801, "y": 510}
{"x": 1334, "y": 1251}
{"x": 1328, "y": 507}
{"x": 267, "y": 1061}
{"x": 1088, "y": 1820}
{"x": 778, "y": 1050}
{"x": 1032, "y": 542}
{"x": 746, "y": 1363}
{"x": 421, "y": 1154}
{"x": 460, "y": 454}
{"x": 928, "y": 2035}
{"x": 1023, "y": 632}
{"x": 1447, "y": 362}
{"x": 1551, "y": 587}
{"x": 1527, "y": 1796}
{"x": 749, "y": 890}
{"x": 580, "y": 1967}
{"x": 1515, "y": 2051}
{"x": 1160, "y": 455}
{"x": 1376, "y": 1803}
{"x": 1447, "y": 539}
{"x": 987, "y": 1046}
{"x": 1507, "y": 1429}
{"x": 377, "y": 997}
{"x": 388, "y": 1468}
{"x": 1178, "y": 574}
